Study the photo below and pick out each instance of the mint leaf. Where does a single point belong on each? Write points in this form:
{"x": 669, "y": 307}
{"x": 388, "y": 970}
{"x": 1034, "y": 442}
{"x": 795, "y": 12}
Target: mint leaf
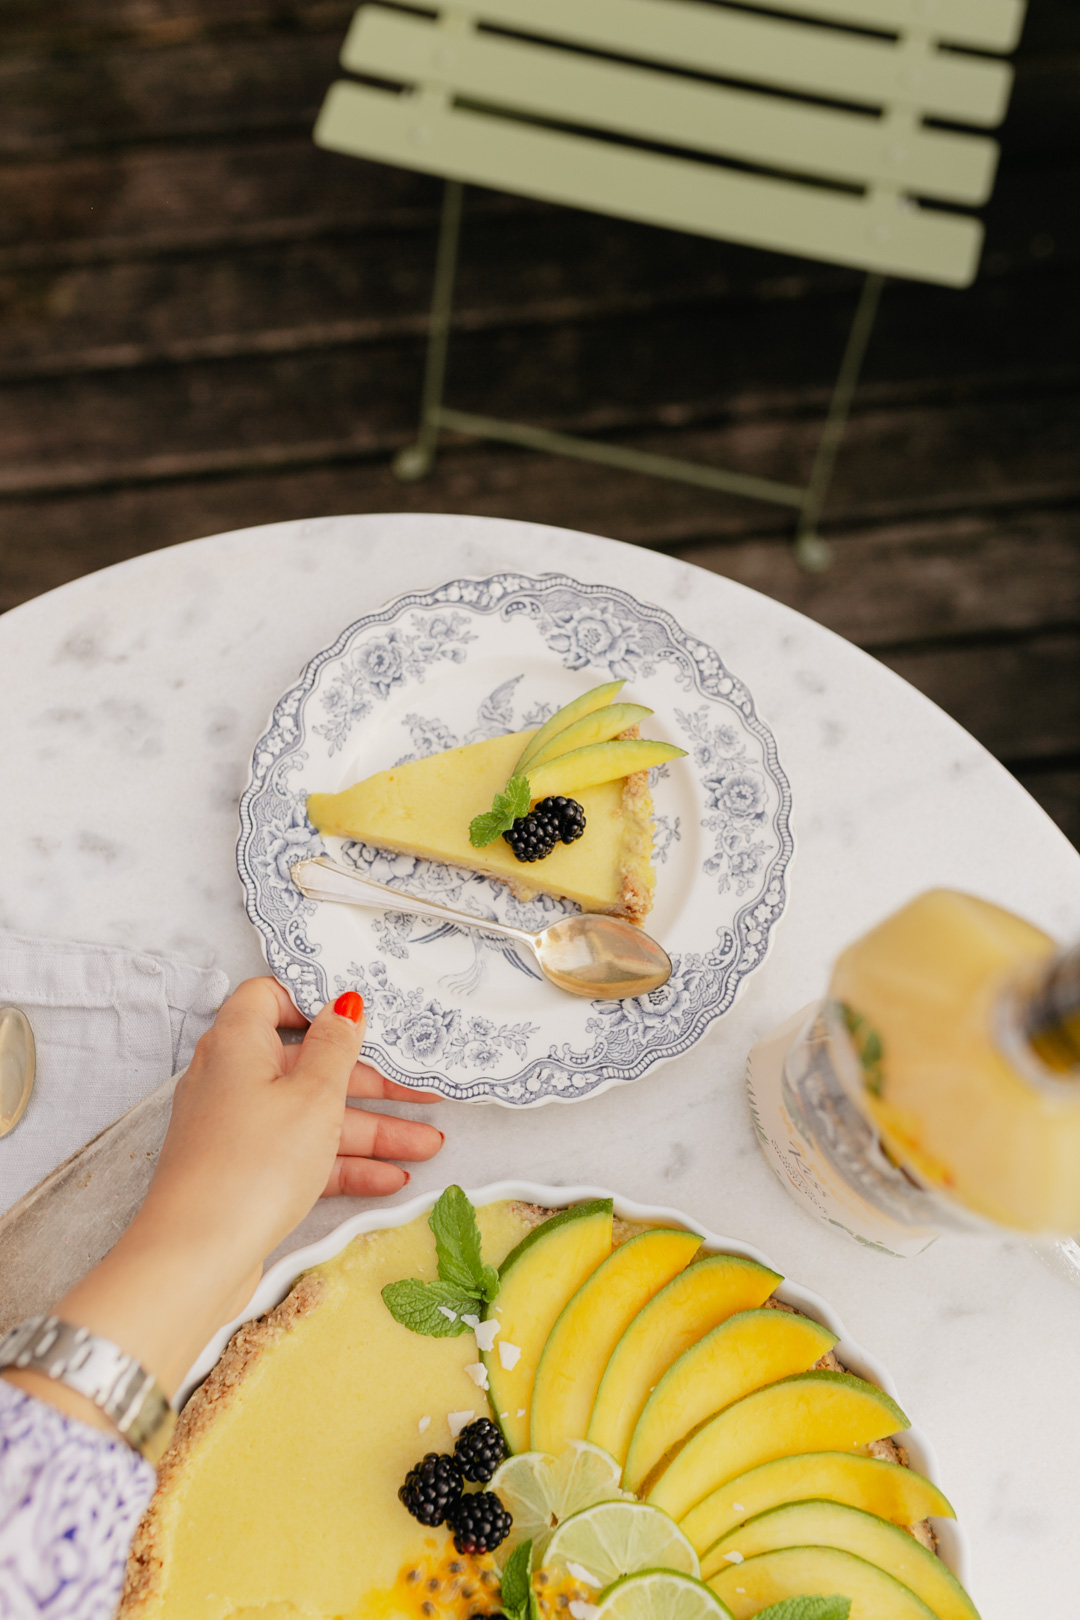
{"x": 415, "y": 1305}
{"x": 516, "y": 1594}
{"x": 512, "y": 802}
{"x": 808, "y": 1608}
{"x": 489, "y": 1283}
{"x": 457, "y": 1243}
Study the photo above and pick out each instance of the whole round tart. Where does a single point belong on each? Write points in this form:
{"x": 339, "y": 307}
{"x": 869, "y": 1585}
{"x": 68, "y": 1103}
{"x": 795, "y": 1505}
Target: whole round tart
{"x": 547, "y": 1391}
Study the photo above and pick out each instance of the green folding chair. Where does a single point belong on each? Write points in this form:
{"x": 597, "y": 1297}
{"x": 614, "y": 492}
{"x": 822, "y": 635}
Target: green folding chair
{"x": 804, "y": 136}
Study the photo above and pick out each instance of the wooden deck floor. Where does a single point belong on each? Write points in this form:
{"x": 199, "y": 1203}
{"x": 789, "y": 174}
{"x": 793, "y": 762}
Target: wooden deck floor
{"x": 206, "y": 323}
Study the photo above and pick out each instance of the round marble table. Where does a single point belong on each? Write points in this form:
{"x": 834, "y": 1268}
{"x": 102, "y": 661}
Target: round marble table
{"x": 132, "y": 699}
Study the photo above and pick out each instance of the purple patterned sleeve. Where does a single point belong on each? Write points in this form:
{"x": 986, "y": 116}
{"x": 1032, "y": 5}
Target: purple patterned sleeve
{"x": 70, "y": 1499}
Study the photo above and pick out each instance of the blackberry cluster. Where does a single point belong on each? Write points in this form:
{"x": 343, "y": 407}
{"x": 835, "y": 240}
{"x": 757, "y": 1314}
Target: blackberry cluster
{"x": 479, "y": 1450}
{"x": 433, "y": 1488}
{"x": 434, "y": 1491}
{"x": 555, "y": 820}
{"x": 479, "y": 1522}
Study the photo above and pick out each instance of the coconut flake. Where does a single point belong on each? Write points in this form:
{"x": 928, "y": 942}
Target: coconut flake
{"x": 444, "y": 1310}
{"x": 584, "y": 1611}
{"x": 424, "y": 1425}
{"x": 485, "y": 1334}
{"x": 521, "y": 1411}
{"x": 456, "y": 1421}
{"x": 478, "y": 1373}
{"x": 509, "y": 1354}
{"x": 470, "y": 1320}
{"x": 734, "y": 1557}
{"x": 581, "y": 1574}
{"x": 737, "y": 1507}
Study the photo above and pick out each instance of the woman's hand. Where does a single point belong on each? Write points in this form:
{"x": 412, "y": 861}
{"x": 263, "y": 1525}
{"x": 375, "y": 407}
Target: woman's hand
{"x": 259, "y": 1131}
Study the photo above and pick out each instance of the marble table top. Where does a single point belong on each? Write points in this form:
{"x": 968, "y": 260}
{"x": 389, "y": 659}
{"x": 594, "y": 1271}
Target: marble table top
{"x": 131, "y": 700}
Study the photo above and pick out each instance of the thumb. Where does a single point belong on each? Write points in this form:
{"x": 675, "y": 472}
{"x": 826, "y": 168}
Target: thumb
{"x": 332, "y": 1044}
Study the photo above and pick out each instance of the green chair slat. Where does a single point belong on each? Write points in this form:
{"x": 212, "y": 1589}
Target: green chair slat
{"x": 665, "y": 108}
{"x": 875, "y": 233}
{"x": 769, "y": 50}
{"x": 991, "y": 25}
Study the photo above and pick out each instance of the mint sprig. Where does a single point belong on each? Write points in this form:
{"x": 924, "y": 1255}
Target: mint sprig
{"x": 516, "y": 1592}
{"x": 808, "y": 1608}
{"x": 457, "y": 1246}
{"x": 465, "y": 1283}
{"x": 506, "y": 807}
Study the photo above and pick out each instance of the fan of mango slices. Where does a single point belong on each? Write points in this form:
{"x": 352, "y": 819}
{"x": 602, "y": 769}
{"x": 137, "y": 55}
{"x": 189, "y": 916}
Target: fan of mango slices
{"x": 581, "y": 745}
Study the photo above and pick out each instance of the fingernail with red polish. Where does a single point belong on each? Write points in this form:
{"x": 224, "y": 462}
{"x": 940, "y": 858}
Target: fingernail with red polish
{"x": 350, "y": 1005}
{"x": 408, "y": 1178}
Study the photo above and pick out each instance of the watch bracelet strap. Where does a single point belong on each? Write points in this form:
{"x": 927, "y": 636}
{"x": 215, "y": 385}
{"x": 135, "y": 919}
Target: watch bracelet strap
{"x": 95, "y": 1368}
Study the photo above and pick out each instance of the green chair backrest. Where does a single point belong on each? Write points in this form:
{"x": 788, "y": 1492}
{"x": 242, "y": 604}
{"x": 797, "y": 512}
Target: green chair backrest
{"x": 804, "y": 136}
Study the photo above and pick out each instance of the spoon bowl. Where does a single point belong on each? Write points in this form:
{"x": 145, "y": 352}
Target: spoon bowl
{"x": 590, "y": 954}
{"x": 17, "y": 1064}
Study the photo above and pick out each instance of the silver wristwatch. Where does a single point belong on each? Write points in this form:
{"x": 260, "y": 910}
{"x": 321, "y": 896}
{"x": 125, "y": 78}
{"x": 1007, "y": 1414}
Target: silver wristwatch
{"x": 98, "y": 1369}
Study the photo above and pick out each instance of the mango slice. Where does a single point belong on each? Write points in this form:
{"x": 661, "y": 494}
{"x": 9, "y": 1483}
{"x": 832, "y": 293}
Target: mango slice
{"x": 742, "y": 1354}
{"x": 699, "y": 1299}
{"x": 817, "y": 1571}
{"x": 591, "y": 1324}
{"x": 814, "y": 1411}
{"x": 587, "y": 703}
{"x": 830, "y": 1524}
{"x": 898, "y": 1494}
{"x": 601, "y": 762}
{"x": 535, "y": 1281}
{"x": 595, "y": 728}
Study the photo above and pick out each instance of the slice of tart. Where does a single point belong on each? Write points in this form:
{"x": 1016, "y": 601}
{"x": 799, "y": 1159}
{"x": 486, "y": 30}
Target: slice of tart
{"x": 425, "y": 809}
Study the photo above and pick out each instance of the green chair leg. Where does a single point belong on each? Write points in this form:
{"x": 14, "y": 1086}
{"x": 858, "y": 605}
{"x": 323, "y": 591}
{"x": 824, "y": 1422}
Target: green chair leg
{"x": 417, "y": 460}
{"x": 811, "y": 552}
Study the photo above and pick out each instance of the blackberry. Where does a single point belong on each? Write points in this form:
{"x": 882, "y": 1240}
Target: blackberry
{"x": 433, "y": 1488}
{"x": 479, "y": 1450}
{"x": 532, "y": 837}
{"x": 567, "y": 814}
{"x": 479, "y": 1522}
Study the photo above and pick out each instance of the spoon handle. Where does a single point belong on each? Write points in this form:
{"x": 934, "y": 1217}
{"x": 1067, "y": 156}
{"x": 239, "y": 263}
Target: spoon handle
{"x": 324, "y": 879}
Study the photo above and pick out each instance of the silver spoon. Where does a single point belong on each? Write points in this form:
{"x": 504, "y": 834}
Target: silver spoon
{"x": 606, "y": 958}
{"x": 17, "y": 1065}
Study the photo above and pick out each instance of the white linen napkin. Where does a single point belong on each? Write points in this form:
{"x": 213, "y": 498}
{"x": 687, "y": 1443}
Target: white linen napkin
{"x": 110, "y": 1025}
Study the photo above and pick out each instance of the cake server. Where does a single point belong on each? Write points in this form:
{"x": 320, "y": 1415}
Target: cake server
{"x": 588, "y": 954}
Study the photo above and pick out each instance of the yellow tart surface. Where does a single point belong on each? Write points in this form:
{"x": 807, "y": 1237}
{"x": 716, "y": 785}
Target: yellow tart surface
{"x": 424, "y": 808}
{"x": 278, "y": 1496}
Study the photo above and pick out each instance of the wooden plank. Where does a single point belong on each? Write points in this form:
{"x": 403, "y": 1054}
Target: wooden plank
{"x": 669, "y": 108}
{"x": 247, "y": 414}
{"x": 954, "y": 577}
{"x": 60, "y": 102}
{"x": 765, "y": 49}
{"x": 876, "y": 234}
{"x": 1021, "y": 698}
{"x": 666, "y": 294}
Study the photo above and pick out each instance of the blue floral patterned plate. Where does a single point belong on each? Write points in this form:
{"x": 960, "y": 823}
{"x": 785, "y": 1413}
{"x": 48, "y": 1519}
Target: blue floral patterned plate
{"x": 466, "y": 1014}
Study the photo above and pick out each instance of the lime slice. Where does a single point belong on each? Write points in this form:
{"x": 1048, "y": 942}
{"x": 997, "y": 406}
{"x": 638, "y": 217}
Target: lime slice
{"x": 621, "y": 1538}
{"x": 541, "y": 1491}
{"x": 660, "y": 1594}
